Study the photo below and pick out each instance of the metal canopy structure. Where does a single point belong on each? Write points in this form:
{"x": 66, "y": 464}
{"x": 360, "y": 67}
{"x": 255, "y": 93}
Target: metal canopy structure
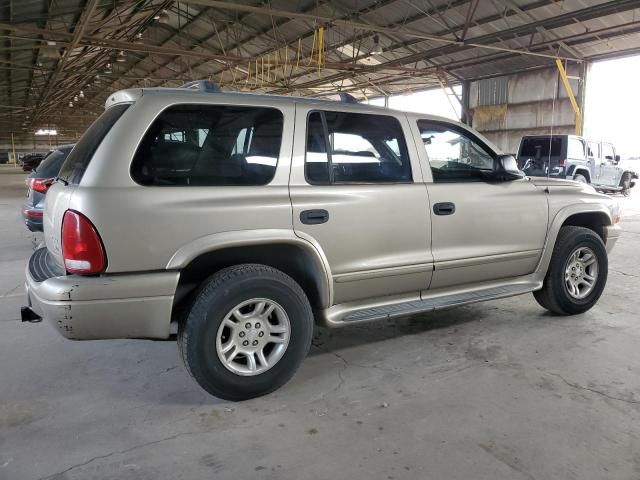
{"x": 59, "y": 59}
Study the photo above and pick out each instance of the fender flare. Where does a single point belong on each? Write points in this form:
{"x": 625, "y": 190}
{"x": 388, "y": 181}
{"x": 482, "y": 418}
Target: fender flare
{"x": 557, "y": 222}
{"x": 240, "y": 238}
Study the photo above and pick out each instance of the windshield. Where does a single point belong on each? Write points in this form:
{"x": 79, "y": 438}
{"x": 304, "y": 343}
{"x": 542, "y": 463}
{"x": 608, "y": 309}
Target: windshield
{"x": 50, "y": 166}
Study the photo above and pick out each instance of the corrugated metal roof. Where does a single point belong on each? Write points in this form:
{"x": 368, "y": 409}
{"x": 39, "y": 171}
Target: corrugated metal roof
{"x": 223, "y": 42}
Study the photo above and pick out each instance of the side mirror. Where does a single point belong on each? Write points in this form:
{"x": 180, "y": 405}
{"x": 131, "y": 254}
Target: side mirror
{"x": 506, "y": 168}
{"x": 617, "y": 160}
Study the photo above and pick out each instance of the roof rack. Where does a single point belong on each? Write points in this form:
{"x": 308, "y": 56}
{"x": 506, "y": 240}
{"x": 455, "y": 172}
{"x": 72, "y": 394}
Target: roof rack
{"x": 202, "y": 86}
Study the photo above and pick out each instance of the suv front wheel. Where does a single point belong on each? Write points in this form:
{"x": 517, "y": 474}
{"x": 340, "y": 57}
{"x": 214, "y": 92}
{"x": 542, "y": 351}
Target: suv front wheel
{"x": 577, "y": 272}
{"x": 247, "y": 331}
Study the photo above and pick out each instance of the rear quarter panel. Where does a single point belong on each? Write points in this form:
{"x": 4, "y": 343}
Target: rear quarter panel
{"x": 143, "y": 227}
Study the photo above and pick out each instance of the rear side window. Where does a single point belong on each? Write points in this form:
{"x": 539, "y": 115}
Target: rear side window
{"x": 355, "y": 148}
{"x": 206, "y": 145}
{"x": 575, "y": 149}
{"x": 539, "y": 147}
{"x": 78, "y": 160}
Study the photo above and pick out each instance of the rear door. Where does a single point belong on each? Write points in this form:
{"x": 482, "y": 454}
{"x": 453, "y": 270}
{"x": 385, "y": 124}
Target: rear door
{"x": 356, "y": 189}
{"x": 609, "y": 167}
{"x": 480, "y": 230}
{"x": 594, "y": 157}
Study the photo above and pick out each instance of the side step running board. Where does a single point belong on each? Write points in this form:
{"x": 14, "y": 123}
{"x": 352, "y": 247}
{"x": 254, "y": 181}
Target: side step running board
{"x": 435, "y": 303}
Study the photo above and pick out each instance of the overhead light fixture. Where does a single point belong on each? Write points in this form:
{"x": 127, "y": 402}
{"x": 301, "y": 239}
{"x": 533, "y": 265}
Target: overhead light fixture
{"x": 122, "y": 57}
{"x": 107, "y": 68}
{"x": 70, "y": 104}
{"x": 163, "y": 17}
{"x": 46, "y": 131}
{"x": 50, "y": 50}
{"x": 377, "y": 48}
{"x": 138, "y": 38}
{"x": 81, "y": 94}
{"x": 75, "y": 99}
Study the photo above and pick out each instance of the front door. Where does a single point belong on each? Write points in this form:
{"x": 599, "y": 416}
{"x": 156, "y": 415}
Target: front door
{"x": 357, "y": 192}
{"x": 480, "y": 230}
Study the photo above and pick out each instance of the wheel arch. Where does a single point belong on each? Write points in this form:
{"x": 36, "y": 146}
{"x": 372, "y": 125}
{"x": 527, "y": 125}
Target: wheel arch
{"x": 582, "y": 171}
{"x": 299, "y": 258}
{"x": 594, "y": 216}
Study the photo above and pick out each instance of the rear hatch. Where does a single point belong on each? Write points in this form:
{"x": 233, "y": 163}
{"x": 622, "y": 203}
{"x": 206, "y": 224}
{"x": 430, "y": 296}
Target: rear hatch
{"x": 539, "y": 156}
{"x": 58, "y": 197}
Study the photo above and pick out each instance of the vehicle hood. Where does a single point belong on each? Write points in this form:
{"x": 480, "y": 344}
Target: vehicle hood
{"x": 554, "y": 182}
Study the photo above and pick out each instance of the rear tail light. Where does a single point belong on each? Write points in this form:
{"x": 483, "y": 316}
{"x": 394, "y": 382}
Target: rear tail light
{"x": 33, "y": 213}
{"x": 41, "y": 184}
{"x": 562, "y": 162}
{"x": 82, "y": 247}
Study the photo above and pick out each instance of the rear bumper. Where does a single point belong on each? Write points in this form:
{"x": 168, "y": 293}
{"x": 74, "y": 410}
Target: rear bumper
{"x": 612, "y": 233}
{"x": 32, "y": 217}
{"x": 109, "y": 306}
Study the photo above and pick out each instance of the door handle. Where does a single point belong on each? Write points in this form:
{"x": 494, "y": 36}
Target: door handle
{"x": 444, "y": 208}
{"x": 314, "y": 217}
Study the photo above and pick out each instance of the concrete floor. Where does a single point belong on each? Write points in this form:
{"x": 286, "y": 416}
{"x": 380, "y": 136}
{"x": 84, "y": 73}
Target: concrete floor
{"x": 499, "y": 390}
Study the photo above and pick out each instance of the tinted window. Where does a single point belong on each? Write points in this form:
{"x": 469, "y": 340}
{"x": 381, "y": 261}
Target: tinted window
{"x": 78, "y": 160}
{"x": 538, "y": 147}
{"x": 593, "y": 150}
{"x": 210, "y": 145}
{"x": 355, "y": 148}
{"x": 575, "y": 149}
{"x": 50, "y": 166}
{"x": 454, "y": 155}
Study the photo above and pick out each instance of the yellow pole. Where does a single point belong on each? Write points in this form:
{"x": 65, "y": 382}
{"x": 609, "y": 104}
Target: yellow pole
{"x": 572, "y": 98}
{"x": 13, "y": 147}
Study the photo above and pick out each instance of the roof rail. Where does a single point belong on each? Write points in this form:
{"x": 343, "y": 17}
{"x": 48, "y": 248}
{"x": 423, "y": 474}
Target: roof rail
{"x": 202, "y": 86}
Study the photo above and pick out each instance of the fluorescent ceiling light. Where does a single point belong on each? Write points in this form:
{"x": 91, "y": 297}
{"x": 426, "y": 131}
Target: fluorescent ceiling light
{"x": 46, "y": 131}
{"x": 350, "y": 51}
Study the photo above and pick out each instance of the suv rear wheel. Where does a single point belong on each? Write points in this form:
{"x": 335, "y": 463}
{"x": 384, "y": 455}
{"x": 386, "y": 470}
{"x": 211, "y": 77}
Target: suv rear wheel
{"x": 247, "y": 331}
{"x": 577, "y": 272}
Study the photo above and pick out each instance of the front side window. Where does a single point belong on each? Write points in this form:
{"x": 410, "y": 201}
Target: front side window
{"x": 575, "y": 149}
{"x": 607, "y": 150}
{"x": 206, "y": 145}
{"x": 453, "y": 154}
{"x": 355, "y": 148}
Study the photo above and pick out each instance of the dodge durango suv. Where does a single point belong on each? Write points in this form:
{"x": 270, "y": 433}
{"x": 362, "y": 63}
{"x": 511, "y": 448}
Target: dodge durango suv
{"x": 238, "y": 220}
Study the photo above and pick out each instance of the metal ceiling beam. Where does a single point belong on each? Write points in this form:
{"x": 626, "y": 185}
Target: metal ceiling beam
{"x": 78, "y": 33}
{"x": 569, "y": 18}
{"x": 406, "y": 32}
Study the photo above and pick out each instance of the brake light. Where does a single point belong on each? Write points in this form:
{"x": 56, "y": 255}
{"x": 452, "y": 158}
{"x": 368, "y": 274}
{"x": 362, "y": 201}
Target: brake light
{"x": 82, "y": 247}
{"x": 41, "y": 184}
{"x": 33, "y": 213}
{"x": 562, "y": 162}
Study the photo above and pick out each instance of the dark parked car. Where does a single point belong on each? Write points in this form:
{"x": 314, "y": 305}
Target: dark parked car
{"x": 31, "y": 161}
{"x": 38, "y": 182}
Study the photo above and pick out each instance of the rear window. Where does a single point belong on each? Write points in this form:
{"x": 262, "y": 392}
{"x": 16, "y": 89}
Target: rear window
{"x": 538, "y": 147}
{"x": 50, "y": 166}
{"x": 206, "y": 145}
{"x": 78, "y": 160}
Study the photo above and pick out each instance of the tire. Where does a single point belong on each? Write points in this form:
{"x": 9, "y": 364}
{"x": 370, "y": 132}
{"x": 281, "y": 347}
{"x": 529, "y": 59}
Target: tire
{"x": 202, "y": 332}
{"x": 578, "y": 177}
{"x": 555, "y": 294}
